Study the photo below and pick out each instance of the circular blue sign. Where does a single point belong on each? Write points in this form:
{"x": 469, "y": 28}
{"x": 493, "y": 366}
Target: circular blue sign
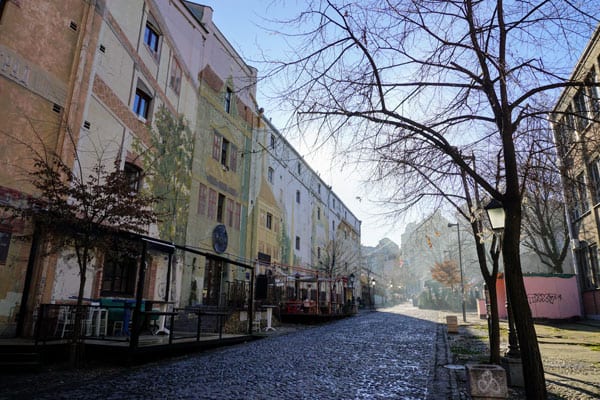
{"x": 220, "y": 238}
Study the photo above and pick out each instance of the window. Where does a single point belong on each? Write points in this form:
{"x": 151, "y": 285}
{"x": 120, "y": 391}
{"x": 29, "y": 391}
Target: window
{"x": 270, "y": 174}
{"x": 595, "y": 173}
{"x": 2, "y": 4}
{"x": 5, "y": 236}
{"x": 333, "y": 226}
{"x": 299, "y": 168}
{"x": 151, "y": 37}
{"x": 230, "y": 209}
{"x": 175, "y": 80}
{"x": 593, "y": 92}
{"x": 587, "y": 258}
{"x": 298, "y": 196}
{"x": 319, "y": 213}
{"x": 334, "y": 202}
{"x": 141, "y": 104}
{"x": 237, "y": 212}
{"x": 224, "y": 152}
{"x": 272, "y": 144}
{"x": 319, "y": 188}
{"x": 319, "y": 253}
{"x": 119, "y": 275}
{"x": 202, "y": 199}
{"x": 581, "y": 110}
{"x": 134, "y": 176}
{"x": 212, "y": 204}
{"x": 269, "y": 223}
{"x": 220, "y": 208}
{"x": 582, "y": 194}
{"x": 297, "y": 242}
{"x": 228, "y": 97}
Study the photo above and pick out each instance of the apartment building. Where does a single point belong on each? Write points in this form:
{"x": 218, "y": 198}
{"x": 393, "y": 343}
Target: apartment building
{"x": 155, "y": 89}
{"x": 577, "y": 133}
{"x": 300, "y": 224}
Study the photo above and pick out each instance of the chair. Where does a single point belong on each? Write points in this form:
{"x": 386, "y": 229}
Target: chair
{"x": 256, "y": 322}
{"x": 65, "y": 321}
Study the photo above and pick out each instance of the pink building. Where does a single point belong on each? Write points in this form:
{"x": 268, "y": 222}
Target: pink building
{"x": 551, "y": 296}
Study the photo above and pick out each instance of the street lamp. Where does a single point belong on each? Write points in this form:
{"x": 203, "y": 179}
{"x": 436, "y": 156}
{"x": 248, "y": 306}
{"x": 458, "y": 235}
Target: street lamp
{"x": 462, "y": 281}
{"x": 496, "y": 215}
{"x": 373, "y": 293}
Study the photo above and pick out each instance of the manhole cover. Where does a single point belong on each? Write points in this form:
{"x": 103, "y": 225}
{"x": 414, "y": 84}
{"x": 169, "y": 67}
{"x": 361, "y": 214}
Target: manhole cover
{"x": 454, "y": 366}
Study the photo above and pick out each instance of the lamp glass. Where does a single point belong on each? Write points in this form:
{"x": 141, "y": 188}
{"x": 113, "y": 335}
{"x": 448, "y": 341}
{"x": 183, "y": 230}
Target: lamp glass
{"x": 496, "y": 216}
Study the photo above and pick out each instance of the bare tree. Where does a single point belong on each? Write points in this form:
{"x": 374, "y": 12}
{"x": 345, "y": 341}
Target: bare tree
{"x": 545, "y": 229}
{"x": 459, "y": 76}
{"x": 83, "y": 211}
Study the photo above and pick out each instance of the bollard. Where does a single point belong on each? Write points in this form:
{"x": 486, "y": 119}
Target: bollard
{"x": 452, "y": 322}
{"x": 486, "y": 381}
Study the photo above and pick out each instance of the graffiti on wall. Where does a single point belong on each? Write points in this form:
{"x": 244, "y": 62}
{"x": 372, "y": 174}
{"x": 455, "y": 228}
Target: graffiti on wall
{"x": 549, "y": 298}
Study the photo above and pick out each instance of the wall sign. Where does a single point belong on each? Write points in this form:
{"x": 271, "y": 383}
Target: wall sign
{"x": 220, "y": 238}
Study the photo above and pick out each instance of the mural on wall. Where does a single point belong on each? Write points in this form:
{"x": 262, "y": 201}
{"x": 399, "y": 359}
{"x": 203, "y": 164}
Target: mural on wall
{"x": 169, "y": 171}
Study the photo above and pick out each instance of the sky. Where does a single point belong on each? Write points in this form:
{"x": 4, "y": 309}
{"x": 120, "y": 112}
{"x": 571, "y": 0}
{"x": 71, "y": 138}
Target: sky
{"x": 242, "y": 22}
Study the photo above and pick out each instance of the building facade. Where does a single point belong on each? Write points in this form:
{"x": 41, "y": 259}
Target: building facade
{"x": 155, "y": 89}
{"x": 577, "y": 131}
{"x": 300, "y": 225}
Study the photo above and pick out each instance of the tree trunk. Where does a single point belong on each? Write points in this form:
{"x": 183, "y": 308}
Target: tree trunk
{"x": 535, "y": 386}
{"x": 494, "y": 328}
{"x": 76, "y": 345}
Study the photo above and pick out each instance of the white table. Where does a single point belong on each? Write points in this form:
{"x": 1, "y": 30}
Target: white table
{"x": 162, "y": 313}
{"x": 269, "y": 318}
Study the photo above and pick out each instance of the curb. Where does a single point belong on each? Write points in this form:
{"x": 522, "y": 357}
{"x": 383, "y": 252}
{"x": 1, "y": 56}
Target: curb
{"x": 442, "y": 381}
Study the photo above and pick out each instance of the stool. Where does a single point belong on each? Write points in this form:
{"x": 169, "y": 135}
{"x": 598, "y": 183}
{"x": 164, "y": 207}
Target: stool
{"x": 117, "y": 327}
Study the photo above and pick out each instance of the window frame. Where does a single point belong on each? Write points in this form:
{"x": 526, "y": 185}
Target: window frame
{"x": 134, "y": 176}
{"x": 228, "y": 100}
{"x": 141, "y": 98}
{"x": 119, "y": 275}
{"x": 221, "y": 204}
{"x": 152, "y": 38}
{"x": 269, "y": 221}
{"x": 175, "y": 76}
{"x": 270, "y": 174}
{"x": 2, "y": 5}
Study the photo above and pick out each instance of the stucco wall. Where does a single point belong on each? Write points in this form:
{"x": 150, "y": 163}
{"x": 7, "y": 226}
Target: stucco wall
{"x": 551, "y": 297}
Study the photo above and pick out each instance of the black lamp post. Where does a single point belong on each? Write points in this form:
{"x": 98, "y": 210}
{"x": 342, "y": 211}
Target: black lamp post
{"x": 372, "y": 287}
{"x": 462, "y": 281}
{"x": 496, "y": 215}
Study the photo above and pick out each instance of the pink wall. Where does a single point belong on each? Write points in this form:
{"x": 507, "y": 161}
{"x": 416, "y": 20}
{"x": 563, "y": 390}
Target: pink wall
{"x": 550, "y": 296}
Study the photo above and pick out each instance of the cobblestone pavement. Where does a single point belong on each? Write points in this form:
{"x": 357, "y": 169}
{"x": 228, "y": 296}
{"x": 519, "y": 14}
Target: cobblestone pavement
{"x": 374, "y": 355}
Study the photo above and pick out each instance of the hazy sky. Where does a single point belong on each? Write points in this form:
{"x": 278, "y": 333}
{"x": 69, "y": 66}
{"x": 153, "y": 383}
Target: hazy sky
{"x": 241, "y": 22}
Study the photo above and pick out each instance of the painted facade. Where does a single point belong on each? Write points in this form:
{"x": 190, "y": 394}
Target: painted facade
{"x": 299, "y": 222}
{"x": 41, "y": 88}
{"x": 154, "y": 88}
{"x": 576, "y": 130}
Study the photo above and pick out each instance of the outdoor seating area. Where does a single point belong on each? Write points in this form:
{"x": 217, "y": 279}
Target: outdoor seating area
{"x": 111, "y": 320}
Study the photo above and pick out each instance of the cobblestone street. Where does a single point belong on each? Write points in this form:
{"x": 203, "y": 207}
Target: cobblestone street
{"x": 375, "y": 355}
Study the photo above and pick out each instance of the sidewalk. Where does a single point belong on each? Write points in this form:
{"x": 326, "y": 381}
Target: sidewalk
{"x": 570, "y": 355}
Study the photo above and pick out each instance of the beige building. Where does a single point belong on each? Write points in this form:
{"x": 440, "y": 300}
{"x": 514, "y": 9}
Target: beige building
{"x": 577, "y": 133}
{"x": 155, "y": 88}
